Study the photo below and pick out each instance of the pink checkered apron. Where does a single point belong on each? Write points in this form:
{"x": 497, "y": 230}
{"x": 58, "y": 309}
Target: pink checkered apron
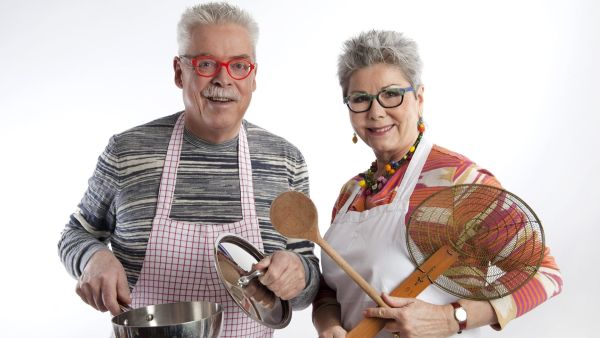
{"x": 179, "y": 264}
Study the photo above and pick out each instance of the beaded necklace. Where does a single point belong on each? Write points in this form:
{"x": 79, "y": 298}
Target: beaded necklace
{"x": 372, "y": 185}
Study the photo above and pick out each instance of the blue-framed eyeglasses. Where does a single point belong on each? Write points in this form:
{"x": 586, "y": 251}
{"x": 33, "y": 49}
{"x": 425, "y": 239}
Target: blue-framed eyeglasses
{"x": 389, "y": 97}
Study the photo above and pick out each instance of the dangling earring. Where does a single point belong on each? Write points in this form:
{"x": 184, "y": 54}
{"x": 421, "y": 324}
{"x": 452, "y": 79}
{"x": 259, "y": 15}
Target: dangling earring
{"x": 420, "y": 125}
{"x": 354, "y": 139}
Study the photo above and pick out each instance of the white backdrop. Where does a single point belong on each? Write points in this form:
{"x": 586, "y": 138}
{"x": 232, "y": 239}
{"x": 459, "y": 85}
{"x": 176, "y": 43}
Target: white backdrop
{"x": 511, "y": 84}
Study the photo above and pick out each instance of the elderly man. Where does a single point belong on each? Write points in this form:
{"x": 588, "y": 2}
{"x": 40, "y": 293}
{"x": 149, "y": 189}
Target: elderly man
{"x": 174, "y": 184}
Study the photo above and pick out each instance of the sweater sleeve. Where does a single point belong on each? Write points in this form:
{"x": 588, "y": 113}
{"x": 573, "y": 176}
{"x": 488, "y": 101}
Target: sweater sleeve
{"x": 91, "y": 225}
{"x": 545, "y": 284}
{"x": 298, "y": 179}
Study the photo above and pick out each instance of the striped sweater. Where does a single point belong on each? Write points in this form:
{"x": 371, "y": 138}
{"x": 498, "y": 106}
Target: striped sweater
{"x": 120, "y": 202}
{"x": 445, "y": 168}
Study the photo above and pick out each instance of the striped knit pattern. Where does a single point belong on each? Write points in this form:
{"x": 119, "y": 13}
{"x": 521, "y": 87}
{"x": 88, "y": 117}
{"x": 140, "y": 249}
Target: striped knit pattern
{"x": 120, "y": 202}
{"x": 445, "y": 168}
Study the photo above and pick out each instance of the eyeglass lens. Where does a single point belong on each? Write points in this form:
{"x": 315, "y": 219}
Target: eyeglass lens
{"x": 237, "y": 68}
{"x": 387, "y": 98}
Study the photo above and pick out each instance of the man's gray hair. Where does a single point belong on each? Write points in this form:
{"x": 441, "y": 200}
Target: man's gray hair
{"x": 213, "y": 13}
{"x": 375, "y": 47}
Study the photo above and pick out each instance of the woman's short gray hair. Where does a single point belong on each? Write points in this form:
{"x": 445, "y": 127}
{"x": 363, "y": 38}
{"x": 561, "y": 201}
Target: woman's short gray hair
{"x": 213, "y": 13}
{"x": 375, "y": 47}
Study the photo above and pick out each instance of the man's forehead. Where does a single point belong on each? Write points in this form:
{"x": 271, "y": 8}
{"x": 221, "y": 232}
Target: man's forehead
{"x": 229, "y": 57}
{"x": 224, "y": 41}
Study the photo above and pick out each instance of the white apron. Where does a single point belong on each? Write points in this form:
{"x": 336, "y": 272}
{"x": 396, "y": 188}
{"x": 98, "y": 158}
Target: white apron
{"x": 374, "y": 243}
{"x": 179, "y": 264}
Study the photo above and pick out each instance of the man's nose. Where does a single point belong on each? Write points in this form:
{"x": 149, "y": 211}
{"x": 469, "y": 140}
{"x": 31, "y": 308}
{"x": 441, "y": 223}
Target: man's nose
{"x": 222, "y": 78}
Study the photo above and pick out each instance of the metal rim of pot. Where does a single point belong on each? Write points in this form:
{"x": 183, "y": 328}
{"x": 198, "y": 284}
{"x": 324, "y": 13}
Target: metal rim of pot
{"x": 263, "y": 305}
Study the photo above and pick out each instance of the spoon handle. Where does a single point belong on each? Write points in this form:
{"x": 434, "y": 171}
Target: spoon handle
{"x": 411, "y": 287}
{"x": 352, "y": 273}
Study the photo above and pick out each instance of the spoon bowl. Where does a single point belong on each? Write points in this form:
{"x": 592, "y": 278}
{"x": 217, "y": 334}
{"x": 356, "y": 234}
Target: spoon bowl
{"x": 294, "y": 215}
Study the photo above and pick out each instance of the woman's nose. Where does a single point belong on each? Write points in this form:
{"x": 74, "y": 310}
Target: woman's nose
{"x": 376, "y": 111}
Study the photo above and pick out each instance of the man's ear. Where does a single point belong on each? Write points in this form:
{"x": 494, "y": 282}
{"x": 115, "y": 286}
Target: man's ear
{"x": 254, "y": 79}
{"x": 178, "y": 73}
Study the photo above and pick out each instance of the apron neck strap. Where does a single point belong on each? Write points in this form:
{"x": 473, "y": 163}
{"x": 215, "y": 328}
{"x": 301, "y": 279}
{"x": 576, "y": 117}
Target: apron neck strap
{"x": 409, "y": 180}
{"x": 169, "y": 175}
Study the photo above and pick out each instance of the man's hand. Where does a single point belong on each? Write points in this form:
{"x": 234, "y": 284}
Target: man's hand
{"x": 285, "y": 274}
{"x": 103, "y": 283}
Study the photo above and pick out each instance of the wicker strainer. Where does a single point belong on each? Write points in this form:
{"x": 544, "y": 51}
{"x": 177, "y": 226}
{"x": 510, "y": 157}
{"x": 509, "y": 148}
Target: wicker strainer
{"x": 473, "y": 241}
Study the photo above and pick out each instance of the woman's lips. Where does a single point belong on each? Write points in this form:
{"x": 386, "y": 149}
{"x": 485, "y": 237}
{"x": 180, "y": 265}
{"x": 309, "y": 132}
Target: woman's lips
{"x": 381, "y": 130}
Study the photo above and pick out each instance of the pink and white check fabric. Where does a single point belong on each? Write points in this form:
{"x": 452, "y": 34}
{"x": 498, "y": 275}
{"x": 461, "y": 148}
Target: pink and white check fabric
{"x": 179, "y": 263}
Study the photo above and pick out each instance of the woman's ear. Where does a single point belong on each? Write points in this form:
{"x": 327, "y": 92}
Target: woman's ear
{"x": 420, "y": 98}
{"x": 420, "y": 92}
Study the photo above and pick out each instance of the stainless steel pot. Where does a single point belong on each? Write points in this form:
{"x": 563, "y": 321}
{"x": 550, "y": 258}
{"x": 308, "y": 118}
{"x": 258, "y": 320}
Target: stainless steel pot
{"x": 186, "y": 319}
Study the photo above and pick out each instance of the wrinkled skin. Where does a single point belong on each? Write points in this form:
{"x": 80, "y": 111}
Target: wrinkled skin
{"x": 284, "y": 275}
{"x": 103, "y": 283}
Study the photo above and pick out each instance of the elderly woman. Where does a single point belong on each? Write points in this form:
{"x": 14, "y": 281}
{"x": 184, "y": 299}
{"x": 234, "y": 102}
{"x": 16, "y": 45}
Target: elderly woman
{"x": 380, "y": 75}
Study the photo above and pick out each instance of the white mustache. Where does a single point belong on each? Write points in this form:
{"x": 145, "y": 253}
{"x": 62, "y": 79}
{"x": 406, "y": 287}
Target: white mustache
{"x": 224, "y": 93}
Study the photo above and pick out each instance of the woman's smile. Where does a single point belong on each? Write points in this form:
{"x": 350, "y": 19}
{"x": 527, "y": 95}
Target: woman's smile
{"x": 381, "y": 130}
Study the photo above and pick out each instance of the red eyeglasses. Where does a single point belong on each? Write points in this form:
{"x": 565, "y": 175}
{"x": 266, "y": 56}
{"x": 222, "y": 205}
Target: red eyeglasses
{"x": 206, "y": 66}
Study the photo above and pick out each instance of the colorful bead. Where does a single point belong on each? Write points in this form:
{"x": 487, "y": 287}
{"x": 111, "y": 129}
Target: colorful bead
{"x": 420, "y": 125}
{"x": 373, "y": 185}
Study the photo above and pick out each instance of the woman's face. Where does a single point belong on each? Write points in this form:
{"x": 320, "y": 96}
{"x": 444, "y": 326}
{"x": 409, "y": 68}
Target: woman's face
{"x": 388, "y": 131}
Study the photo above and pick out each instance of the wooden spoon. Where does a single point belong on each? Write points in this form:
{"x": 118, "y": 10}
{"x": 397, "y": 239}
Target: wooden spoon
{"x": 411, "y": 287}
{"x": 294, "y": 215}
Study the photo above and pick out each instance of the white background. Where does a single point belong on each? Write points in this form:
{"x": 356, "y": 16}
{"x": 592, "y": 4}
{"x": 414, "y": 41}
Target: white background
{"x": 511, "y": 84}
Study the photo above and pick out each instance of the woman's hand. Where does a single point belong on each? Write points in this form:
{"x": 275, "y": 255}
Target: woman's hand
{"x": 333, "y": 332}
{"x": 327, "y": 320}
{"x": 411, "y": 318}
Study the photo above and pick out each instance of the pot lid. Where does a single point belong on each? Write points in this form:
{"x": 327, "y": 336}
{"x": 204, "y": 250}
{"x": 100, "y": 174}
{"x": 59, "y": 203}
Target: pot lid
{"x": 233, "y": 257}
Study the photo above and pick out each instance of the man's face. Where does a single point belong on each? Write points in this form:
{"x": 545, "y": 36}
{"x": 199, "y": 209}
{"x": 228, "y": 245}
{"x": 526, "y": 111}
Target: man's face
{"x": 215, "y": 106}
